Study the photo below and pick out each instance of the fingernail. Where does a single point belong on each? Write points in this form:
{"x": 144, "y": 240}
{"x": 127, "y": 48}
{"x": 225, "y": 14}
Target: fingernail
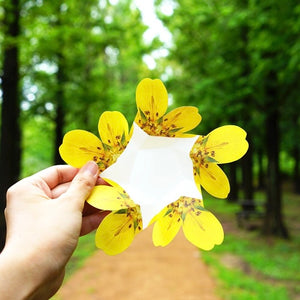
{"x": 90, "y": 168}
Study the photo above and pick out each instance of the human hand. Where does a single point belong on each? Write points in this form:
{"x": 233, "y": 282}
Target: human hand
{"x": 44, "y": 221}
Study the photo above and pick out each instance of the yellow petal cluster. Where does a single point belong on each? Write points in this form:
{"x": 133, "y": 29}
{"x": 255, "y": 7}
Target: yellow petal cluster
{"x": 152, "y": 103}
{"x": 118, "y": 229}
{"x": 199, "y": 226}
{"x": 80, "y": 146}
{"x": 222, "y": 145}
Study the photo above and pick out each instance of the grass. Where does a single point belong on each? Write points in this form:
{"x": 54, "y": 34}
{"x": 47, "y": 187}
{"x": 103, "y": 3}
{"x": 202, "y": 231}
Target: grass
{"x": 249, "y": 266}
{"x": 86, "y": 247}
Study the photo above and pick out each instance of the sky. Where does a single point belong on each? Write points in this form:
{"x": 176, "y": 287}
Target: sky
{"x": 156, "y": 28}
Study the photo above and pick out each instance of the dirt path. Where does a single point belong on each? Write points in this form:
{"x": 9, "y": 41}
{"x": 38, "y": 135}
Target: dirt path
{"x": 143, "y": 272}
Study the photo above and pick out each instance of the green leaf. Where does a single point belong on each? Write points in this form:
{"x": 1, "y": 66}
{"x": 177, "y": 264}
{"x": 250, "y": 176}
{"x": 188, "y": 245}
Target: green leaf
{"x": 175, "y": 130}
{"x": 204, "y": 141}
{"x": 199, "y": 207}
{"x": 168, "y": 211}
{"x": 121, "y": 211}
{"x": 106, "y": 147}
{"x": 144, "y": 118}
{"x": 210, "y": 159}
{"x": 159, "y": 121}
{"x": 123, "y": 139}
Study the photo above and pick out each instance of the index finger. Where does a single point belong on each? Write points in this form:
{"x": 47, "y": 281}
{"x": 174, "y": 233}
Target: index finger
{"x": 56, "y": 175}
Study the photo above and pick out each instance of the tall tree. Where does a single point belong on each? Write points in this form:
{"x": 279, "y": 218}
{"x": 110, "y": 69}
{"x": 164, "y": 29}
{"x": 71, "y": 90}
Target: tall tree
{"x": 270, "y": 43}
{"x": 10, "y": 128}
{"x": 211, "y": 52}
{"x": 89, "y": 61}
{"x": 60, "y": 105}
{"x": 61, "y": 80}
{"x": 273, "y": 222}
{"x": 240, "y": 59}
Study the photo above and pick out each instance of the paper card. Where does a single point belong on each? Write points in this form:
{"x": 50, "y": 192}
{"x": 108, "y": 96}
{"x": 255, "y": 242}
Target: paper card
{"x": 155, "y": 171}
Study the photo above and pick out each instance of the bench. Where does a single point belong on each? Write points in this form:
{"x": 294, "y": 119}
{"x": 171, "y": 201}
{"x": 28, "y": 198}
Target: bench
{"x": 251, "y": 214}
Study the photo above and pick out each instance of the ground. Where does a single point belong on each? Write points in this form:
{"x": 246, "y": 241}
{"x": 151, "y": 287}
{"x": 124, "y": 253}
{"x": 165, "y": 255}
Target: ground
{"x": 143, "y": 272}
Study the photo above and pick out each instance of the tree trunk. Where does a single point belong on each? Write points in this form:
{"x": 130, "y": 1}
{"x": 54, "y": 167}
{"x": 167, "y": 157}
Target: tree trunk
{"x": 273, "y": 222}
{"x": 10, "y": 148}
{"x": 60, "y": 93}
{"x": 247, "y": 160}
{"x": 234, "y": 189}
{"x": 247, "y": 175}
{"x": 296, "y": 176}
{"x": 60, "y": 111}
{"x": 261, "y": 174}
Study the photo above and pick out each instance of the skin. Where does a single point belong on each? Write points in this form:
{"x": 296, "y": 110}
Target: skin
{"x": 46, "y": 213}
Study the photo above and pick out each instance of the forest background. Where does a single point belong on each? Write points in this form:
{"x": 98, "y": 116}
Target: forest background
{"x": 65, "y": 62}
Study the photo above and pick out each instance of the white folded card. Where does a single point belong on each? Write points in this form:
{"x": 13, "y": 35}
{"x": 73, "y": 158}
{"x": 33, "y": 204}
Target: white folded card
{"x": 155, "y": 171}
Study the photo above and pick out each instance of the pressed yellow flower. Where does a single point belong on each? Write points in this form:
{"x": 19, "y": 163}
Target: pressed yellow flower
{"x": 222, "y": 145}
{"x": 110, "y": 197}
{"x": 152, "y": 103}
{"x": 199, "y": 226}
{"x": 145, "y": 158}
{"x": 118, "y": 229}
{"x": 80, "y": 146}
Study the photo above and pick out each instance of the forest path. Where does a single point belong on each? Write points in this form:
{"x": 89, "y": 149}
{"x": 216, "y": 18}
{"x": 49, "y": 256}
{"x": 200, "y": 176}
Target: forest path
{"x": 175, "y": 272}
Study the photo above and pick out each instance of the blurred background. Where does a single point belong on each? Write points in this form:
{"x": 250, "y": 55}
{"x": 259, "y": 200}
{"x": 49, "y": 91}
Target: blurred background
{"x": 65, "y": 62}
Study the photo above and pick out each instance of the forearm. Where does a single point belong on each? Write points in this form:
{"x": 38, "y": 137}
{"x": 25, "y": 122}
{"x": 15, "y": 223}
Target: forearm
{"x": 22, "y": 277}
{"x": 44, "y": 220}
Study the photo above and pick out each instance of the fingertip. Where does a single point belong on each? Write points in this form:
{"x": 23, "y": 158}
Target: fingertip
{"x": 83, "y": 183}
{"x": 90, "y": 169}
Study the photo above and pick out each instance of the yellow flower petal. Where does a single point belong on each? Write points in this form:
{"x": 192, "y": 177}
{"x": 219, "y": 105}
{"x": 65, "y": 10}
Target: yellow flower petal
{"x": 115, "y": 233}
{"x": 151, "y": 99}
{"x": 115, "y": 185}
{"x": 109, "y": 198}
{"x": 182, "y": 119}
{"x": 80, "y": 146}
{"x": 213, "y": 180}
{"x": 228, "y": 143}
{"x": 187, "y": 135}
{"x": 203, "y": 229}
{"x": 159, "y": 215}
{"x": 113, "y": 129}
{"x": 166, "y": 228}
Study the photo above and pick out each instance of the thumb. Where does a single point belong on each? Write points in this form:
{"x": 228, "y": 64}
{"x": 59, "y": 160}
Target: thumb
{"x": 82, "y": 184}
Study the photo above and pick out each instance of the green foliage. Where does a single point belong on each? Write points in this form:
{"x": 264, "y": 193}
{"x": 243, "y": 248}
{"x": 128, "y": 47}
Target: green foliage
{"x": 236, "y": 286}
{"x": 248, "y": 265}
{"x": 225, "y": 57}
{"x": 221, "y": 57}
{"x": 81, "y": 57}
{"x": 86, "y": 247}
{"x": 235, "y": 60}
{"x": 37, "y": 146}
{"x": 84, "y": 57}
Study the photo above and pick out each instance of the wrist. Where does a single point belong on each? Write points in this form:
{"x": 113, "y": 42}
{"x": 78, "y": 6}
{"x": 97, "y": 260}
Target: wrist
{"x": 22, "y": 276}
{"x": 14, "y": 283}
